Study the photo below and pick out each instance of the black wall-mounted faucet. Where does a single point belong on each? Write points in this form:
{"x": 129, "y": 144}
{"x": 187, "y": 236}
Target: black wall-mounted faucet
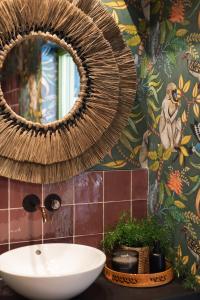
{"x": 31, "y": 203}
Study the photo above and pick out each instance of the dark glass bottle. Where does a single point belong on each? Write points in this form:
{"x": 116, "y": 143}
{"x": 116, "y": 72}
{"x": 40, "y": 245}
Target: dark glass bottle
{"x": 157, "y": 259}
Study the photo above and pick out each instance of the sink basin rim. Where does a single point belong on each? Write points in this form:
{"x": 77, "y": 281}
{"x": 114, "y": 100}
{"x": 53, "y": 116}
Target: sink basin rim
{"x": 60, "y": 275}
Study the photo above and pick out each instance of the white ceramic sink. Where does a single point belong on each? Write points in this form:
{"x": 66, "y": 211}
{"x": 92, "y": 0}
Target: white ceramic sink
{"x": 51, "y": 271}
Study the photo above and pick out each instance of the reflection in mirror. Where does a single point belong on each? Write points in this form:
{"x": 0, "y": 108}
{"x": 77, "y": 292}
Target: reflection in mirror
{"x": 40, "y": 80}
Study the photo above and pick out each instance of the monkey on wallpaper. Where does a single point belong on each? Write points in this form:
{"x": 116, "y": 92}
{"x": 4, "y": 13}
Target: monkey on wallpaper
{"x": 170, "y": 125}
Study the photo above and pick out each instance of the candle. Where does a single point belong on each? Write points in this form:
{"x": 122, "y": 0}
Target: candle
{"x": 125, "y": 261}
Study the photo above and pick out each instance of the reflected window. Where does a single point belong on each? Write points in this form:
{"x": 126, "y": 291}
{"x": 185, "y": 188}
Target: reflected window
{"x": 40, "y": 80}
{"x": 68, "y": 74}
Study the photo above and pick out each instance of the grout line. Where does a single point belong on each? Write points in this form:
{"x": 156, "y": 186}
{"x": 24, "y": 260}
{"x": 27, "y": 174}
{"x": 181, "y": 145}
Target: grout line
{"x": 90, "y": 234}
{"x": 74, "y": 211}
{"x": 103, "y": 206}
{"x": 55, "y": 238}
{"x": 131, "y": 207}
{"x": 8, "y": 214}
{"x": 75, "y": 204}
{"x": 25, "y": 241}
{"x": 3, "y": 244}
{"x": 139, "y": 199}
{"x": 42, "y": 220}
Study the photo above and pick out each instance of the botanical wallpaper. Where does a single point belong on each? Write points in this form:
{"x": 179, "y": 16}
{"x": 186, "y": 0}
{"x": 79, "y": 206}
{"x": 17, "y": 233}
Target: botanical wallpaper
{"x": 125, "y": 155}
{"x": 163, "y": 131}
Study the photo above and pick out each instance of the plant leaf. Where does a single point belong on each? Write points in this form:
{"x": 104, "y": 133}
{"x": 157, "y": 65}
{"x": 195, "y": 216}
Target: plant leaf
{"x": 196, "y": 110}
{"x": 179, "y": 251}
{"x": 160, "y": 150}
{"x": 183, "y": 197}
{"x": 115, "y": 16}
{"x": 155, "y": 108}
{"x": 162, "y": 32}
{"x": 195, "y": 91}
{"x": 154, "y": 167}
{"x": 152, "y": 155}
{"x": 197, "y": 203}
{"x": 129, "y": 136}
{"x": 185, "y": 140}
{"x": 115, "y": 164}
{"x": 186, "y": 86}
{"x": 194, "y": 269}
{"x": 184, "y": 151}
{"x": 161, "y": 193}
{"x": 185, "y": 259}
{"x": 167, "y": 190}
{"x": 196, "y": 166}
{"x": 197, "y": 185}
{"x": 197, "y": 277}
{"x": 179, "y": 204}
{"x": 134, "y": 41}
{"x": 184, "y": 117}
{"x": 167, "y": 153}
{"x": 132, "y": 124}
{"x": 125, "y": 142}
{"x": 180, "y": 84}
{"x": 194, "y": 178}
{"x": 156, "y": 7}
{"x": 150, "y": 111}
{"x": 120, "y": 4}
{"x": 181, "y": 32}
{"x": 181, "y": 159}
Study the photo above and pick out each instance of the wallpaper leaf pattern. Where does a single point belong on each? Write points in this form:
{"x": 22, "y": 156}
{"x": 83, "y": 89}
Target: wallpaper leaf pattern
{"x": 166, "y": 114}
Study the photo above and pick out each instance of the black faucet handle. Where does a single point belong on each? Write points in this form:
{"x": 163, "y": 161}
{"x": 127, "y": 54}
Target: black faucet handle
{"x": 52, "y": 202}
{"x": 31, "y": 203}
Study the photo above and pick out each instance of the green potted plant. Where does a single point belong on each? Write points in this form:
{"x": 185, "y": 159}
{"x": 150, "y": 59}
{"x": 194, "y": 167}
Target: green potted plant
{"x": 138, "y": 235}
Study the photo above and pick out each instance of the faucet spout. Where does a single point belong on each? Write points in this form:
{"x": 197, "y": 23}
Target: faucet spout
{"x": 44, "y": 214}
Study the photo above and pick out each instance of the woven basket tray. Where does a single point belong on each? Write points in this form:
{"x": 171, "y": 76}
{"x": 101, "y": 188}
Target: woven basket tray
{"x": 140, "y": 280}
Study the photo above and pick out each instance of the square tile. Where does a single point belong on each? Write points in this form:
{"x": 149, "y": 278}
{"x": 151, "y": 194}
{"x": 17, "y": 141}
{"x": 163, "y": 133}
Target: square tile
{"x": 3, "y": 248}
{"x": 139, "y": 184}
{"x": 139, "y": 209}
{"x": 3, "y": 226}
{"x": 63, "y": 189}
{"x": 117, "y": 185}
{"x": 88, "y": 219}
{"x": 25, "y": 226}
{"x": 4, "y": 193}
{"x": 89, "y": 187}
{"x": 60, "y": 223}
{"x": 113, "y": 211}
{"x": 18, "y": 190}
{"x": 90, "y": 240}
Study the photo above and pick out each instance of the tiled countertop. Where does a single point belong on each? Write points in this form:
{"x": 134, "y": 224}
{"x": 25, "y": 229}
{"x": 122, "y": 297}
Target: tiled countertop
{"x": 105, "y": 290}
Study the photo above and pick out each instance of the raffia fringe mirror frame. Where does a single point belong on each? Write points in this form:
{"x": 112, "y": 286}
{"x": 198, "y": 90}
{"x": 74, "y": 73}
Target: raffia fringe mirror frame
{"x": 53, "y": 152}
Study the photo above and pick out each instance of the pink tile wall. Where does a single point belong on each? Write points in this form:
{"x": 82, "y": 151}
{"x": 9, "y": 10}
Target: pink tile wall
{"x": 91, "y": 204}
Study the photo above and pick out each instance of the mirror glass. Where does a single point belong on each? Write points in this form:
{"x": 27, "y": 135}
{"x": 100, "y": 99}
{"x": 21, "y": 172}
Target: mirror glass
{"x": 40, "y": 80}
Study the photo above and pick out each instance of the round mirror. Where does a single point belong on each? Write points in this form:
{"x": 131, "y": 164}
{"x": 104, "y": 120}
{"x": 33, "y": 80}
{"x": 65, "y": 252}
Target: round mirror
{"x": 40, "y": 80}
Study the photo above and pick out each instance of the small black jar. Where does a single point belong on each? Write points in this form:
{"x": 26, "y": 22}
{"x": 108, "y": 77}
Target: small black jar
{"x": 157, "y": 259}
{"x": 125, "y": 261}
